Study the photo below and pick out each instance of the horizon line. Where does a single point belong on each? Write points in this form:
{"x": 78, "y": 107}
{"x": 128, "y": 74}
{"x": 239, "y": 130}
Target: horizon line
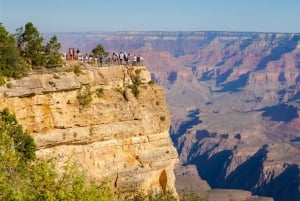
{"x": 165, "y": 31}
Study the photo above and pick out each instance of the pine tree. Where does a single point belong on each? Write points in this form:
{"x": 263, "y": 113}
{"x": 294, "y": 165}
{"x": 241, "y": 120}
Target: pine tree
{"x": 99, "y": 51}
{"x": 52, "y": 52}
{"x": 23, "y": 142}
{"x": 9, "y": 56}
{"x": 31, "y": 47}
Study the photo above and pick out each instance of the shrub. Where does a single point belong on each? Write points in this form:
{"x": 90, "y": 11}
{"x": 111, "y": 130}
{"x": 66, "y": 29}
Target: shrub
{"x": 76, "y": 70}
{"x": 134, "y": 89}
{"x": 137, "y": 77}
{"x": 99, "y": 92}
{"x": 162, "y": 118}
{"x": 23, "y": 142}
{"x": 160, "y": 196}
{"x": 9, "y": 85}
{"x": 85, "y": 96}
{"x": 138, "y": 71}
{"x": 2, "y": 80}
{"x": 70, "y": 69}
{"x": 136, "y": 80}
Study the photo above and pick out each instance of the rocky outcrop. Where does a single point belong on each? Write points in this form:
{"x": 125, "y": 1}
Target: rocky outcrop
{"x": 119, "y": 135}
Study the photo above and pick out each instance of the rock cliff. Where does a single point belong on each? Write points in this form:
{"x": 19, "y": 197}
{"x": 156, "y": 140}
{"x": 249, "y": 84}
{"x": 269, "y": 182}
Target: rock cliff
{"x": 119, "y": 135}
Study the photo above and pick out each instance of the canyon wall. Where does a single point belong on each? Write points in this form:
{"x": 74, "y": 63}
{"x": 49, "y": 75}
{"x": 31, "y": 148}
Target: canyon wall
{"x": 234, "y": 100}
{"x": 118, "y": 135}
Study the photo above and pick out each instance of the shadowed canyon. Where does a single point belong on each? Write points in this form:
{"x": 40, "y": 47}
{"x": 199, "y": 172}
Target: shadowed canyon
{"x": 234, "y": 100}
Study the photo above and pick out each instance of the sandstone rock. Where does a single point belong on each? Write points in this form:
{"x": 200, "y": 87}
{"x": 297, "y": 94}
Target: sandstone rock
{"x": 123, "y": 139}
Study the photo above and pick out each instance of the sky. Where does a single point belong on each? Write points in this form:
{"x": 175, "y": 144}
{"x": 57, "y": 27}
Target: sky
{"x": 152, "y": 15}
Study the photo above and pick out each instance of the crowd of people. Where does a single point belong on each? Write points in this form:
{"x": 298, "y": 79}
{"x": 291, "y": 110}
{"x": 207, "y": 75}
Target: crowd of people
{"x": 121, "y": 58}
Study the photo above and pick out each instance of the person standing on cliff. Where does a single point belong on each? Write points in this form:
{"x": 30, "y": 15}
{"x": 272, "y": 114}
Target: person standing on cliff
{"x": 100, "y": 60}
{"x": 138, "y": 59}
{"x": 126, "y": 58}
{"x": 134, "y": 60}
{"x": 121, "y": 58}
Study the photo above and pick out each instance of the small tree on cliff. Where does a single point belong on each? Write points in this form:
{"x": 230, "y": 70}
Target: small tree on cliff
{"x": 52, "y": 52}
{"x": 23, "y": 142}
{"x": 30, "y": 45}
{"x": 16, "y": 150}
{"x": 99, "y": 51}
{"x": 10, "y": 60}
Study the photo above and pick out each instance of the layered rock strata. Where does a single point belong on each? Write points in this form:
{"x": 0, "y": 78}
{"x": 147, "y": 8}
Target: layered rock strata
{"x": 121, "y": 135}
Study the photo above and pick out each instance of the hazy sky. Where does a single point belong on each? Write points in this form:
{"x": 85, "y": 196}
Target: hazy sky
{"x": 152, "y": 15}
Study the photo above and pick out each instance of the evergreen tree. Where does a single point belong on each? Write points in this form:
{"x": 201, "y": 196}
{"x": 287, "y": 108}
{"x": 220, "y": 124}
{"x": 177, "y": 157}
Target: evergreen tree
{"x": 23, "y": 142}
{"x": 19, "y": 35}
{"x": 52, "y": 52}
{"x": 10, "y": 61}
{"x": 30, "y": 45}
{"x": 99, "y": 51}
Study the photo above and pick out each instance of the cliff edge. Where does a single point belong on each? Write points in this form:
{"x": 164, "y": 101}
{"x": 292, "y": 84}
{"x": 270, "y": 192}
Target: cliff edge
{"x": 112, "y": 121}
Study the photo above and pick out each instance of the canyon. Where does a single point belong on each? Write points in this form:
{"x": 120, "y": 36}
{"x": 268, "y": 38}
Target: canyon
{"x": 233, "y": 99}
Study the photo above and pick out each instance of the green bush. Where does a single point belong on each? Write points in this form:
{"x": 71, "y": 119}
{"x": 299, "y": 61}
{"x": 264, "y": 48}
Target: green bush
{"x": 99, "y": 92}
{"x": 9, "y": 85}
{"x": 70, "y": 69}
{"x": 135, "y": 89}
{"x": 2, "y": 80}
{"x": 136, "y": 82}
{"x": 160, "y": 196}
{"x": 85, "y": 96}
{"x": 137, "y": 77}
{"x": 76, "y": 70}
{"x": 23, "y": 142}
